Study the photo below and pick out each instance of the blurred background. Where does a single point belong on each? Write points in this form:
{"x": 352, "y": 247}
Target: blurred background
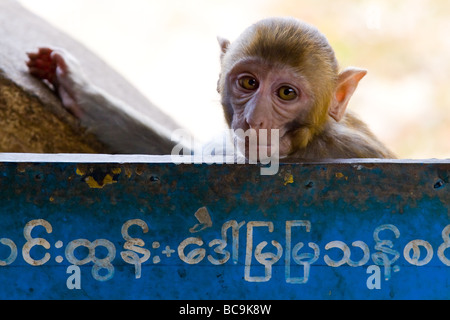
{"x": 168, "y": 50}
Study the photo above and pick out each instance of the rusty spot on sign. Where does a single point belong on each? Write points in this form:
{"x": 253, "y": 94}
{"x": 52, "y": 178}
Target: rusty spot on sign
{"x": 288, "y": 178}
{"x": 340, "y": 175}
{"x": 128, "y": 171}
{"x": 97, "y": 178}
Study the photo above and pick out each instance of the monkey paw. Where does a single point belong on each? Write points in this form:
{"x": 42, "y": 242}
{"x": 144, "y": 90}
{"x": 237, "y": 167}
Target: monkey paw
{"x": 52, "y": 66}
{"x": 42, "y": 66}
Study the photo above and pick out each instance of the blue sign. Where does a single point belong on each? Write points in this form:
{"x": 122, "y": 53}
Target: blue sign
{"x": 136, "y": 228}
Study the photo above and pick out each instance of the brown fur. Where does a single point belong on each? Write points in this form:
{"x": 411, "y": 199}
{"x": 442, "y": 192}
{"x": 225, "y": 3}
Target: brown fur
{"x": 349, "y": 138}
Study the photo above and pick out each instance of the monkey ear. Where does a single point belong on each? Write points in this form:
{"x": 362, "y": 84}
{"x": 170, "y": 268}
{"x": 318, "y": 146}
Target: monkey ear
{"x": 347, "y": 82}
{"x": 224, "y": 43}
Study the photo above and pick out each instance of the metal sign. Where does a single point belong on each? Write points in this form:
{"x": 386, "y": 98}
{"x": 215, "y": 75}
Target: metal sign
{"x": 143, "y": 228}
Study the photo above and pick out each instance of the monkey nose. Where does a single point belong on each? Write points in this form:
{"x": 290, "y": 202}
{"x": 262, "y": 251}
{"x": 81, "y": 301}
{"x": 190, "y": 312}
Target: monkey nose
{"x": 255, "y": 126}
{"x": 257, "y": 115}
{"x": 255, "y": 123}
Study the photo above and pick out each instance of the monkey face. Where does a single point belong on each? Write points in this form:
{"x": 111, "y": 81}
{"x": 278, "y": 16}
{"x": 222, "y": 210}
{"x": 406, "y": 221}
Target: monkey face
{"x": 266, "y": 97}
{"x": 278, "y": 75}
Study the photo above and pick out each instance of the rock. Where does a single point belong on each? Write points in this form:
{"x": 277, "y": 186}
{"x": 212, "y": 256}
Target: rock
{"x": 32, "y": 118}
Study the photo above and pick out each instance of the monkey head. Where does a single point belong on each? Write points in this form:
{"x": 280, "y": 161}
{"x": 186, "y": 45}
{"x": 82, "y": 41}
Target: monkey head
{"x": 282, "y": 74}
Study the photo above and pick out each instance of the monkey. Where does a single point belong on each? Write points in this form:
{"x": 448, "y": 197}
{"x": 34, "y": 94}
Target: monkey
{"x": 282, "y": 73}
{"x": 279, "y": 74}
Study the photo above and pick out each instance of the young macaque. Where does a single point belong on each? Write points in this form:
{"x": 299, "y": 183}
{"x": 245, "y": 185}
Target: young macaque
{"x": 280, "y": 74}
{"x": 283, "y": 74}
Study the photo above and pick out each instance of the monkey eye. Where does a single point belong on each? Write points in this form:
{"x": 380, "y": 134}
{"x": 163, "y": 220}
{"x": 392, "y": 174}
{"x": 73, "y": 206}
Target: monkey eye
{"x": 249, "y": 83}
{"x": 287, "y": 93}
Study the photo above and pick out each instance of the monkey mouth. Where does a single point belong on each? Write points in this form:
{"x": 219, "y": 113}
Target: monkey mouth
{"x": 263, "y": 144}
{"x": 256, "y": 151}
